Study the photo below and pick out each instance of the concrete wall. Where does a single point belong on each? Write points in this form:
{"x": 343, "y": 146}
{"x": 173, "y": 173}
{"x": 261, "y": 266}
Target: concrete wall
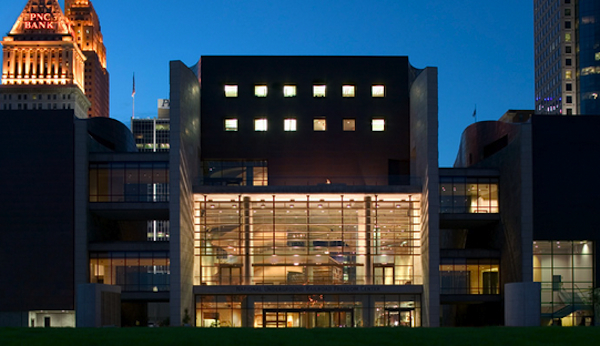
{"x": 565, "y": 166}
{"x": 36, "y": 210}
{"x": 185, "y": 147}
{"x": 514, "y": 234}
{"x": 424, "y": 164}
{"x": 522, "y": 304}
{"x": 98, "y": 306}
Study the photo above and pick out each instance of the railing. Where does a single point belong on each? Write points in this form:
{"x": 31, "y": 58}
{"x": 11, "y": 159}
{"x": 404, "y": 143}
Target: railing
{"x": 286, "y": 180}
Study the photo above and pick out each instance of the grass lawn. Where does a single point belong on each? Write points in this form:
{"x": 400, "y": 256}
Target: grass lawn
{"x": 313, "y": 337}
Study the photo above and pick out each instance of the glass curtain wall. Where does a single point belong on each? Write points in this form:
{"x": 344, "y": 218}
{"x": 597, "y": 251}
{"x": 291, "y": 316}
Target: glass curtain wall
{"x": 307, "y": 240}
{"x": 469, "y": 276}
{"x": 459, "y": 195}
{"x": 133, "y": 271}
{"x": 566, "y": 271}
{"x": 308, "y": 311}
{"x": 129, "y": 182}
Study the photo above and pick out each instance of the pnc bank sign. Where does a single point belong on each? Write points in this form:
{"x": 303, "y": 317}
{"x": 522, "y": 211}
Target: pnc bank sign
{"x": 39, "y": 21}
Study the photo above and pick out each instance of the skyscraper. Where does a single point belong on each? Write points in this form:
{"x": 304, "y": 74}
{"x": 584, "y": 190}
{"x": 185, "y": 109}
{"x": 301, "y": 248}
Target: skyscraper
{"x": 86, "y": 27}
{"x": 43, "y": 67}
{"x": 567, "y": 57}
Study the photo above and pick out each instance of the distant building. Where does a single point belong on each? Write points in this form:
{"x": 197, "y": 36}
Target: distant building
{"x": 567, "y": 57}
{"x": 43, "y": 66}
{"x": 86, "y": 27}
{"x": 152, "y": 135}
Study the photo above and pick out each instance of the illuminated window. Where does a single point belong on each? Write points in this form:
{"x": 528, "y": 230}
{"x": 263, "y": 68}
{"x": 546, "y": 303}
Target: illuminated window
{"x": 568, "y": 74}
{"x": 231, "y": 124}
{"x": 260, "y": 125}
{"x": 349, "y": 124}
{"x": 568, "y": 37}
{"x": 260, "y": 90}
{"x": 320, "y": 124}
{"x": 231, "y": 91}
{"x": 348, "y": 90}
{"x": 319, "y": 90}
{"x": 289, "y": 91}
{"x": 597, "y": 56}
{"x": 378, "y": 91}
{"x": 289, "y": 125}
{"x": 378, "y": 125}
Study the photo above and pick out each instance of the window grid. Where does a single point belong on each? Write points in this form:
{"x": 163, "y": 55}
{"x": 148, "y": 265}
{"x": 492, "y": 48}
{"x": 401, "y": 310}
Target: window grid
{"x": 311, "y": 241}
{"x": 460, "y": 195}
{"x": 566, "y": 272}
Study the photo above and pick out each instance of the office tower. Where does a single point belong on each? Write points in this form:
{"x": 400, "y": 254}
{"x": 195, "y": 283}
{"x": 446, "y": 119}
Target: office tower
{"x": 567, "y": 57}
{"x": 86, "y": 27}
{"x": 152, "y": 135}
{"x": 43, "y": 67}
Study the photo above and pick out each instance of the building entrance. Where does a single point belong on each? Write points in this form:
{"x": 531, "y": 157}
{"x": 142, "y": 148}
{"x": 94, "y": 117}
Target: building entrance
{"x": 308, "y": 318}
{"x": 397, "y": 317}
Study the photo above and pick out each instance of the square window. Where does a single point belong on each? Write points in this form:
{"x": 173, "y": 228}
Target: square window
{"x": 569, "y": 111}
{"x": 349, "y": 124}
{"x": 569, "y": 99}
{"x": 319, "y": 90}
{"x": 289, "y": 91}
{"x": 320, "y": 124}
{"x": 231, "y": 91}
{"x": 568, "y": 49}
{"x": 260, "y": 125}
{"x": 289, "y": 125}
{"x": 348, "y": 90}
{"x": 378, "y": 125}
{"x": 568, "y": 74}
{"x": 378, "y": 91}
{"x": 568, "y": 37}
{"x": 260, "y": 90}
{"x": 568, "y": 62}
{"x": 567, "y": 12}
{"x": 569, "y": 87}
{"x": 597, "y": 56}
{"x": 231, "y": 124}
{"x": 568, "y": 24}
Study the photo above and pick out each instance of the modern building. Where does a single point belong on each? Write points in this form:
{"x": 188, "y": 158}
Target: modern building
{"x": 291, "y": 191}
{"x": 86, "y": 27}
{"x": 153, "y": 135}
{"x": 545, "y": 231}
{"x": 567, "y": 57}
{"x": 312, "y": 206}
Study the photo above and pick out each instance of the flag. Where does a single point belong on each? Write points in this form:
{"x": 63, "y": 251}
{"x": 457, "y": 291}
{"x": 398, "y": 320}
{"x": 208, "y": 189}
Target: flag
{"x": 133, "y": 91}
{"x": 475, "y": 112}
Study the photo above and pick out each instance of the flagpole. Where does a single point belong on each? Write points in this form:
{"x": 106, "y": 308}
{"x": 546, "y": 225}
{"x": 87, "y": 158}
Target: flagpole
{"x": 133, "y": 97}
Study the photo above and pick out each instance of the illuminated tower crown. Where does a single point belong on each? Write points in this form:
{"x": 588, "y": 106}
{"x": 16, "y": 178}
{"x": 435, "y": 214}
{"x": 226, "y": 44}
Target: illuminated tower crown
{"x": 86, "y": 28}
{"x": 43, "y": 67}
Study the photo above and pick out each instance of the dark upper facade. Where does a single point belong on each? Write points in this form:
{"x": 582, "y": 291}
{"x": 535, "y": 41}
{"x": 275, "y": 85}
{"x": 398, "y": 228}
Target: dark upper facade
{"x": 307, "y": 120}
